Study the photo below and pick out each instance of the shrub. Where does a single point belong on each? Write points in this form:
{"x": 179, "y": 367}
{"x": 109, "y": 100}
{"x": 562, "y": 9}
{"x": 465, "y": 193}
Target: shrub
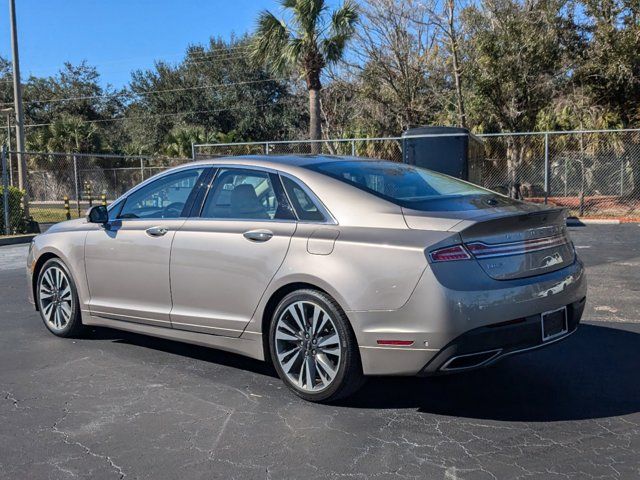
{"x": 17, "y": 223}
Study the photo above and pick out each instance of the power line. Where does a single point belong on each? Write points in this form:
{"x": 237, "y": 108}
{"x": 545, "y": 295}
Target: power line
{"x": 224, "y": 53}
{"x": 156, "y": 115}
{"x": 149, "y": 92}
{"x": 196, "y": 55}
{"x": 187, "y": 53}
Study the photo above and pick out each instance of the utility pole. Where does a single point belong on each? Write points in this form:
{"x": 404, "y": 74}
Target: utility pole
{"x": 23, "y": 181}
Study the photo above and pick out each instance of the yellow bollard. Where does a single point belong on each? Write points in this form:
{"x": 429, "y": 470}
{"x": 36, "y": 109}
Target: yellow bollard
{"x": 103, "y": 197}
{"x": 67, "y": 209}
{"x": 87, "y": 192}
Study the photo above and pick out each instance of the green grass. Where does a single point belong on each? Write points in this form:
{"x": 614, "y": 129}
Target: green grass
{"x": 52, "y": 214}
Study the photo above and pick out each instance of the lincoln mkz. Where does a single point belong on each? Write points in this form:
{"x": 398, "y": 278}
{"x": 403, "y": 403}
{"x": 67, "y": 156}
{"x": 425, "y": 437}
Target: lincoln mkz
{"x": 331, "y": 268}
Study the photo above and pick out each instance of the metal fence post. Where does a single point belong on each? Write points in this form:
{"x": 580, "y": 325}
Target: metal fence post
{"x": 76, "y": 181}
{"x": 266, "y": 148}
{"x": 546, "y": 167}
{"x": 566, "y": 176}
{"x": 621, "y": 176}
{"x": 193, "y": 151}
{"x": 142, "y": 167}
{"x": 5, "y": 191}
{"x": 353, "y": 148}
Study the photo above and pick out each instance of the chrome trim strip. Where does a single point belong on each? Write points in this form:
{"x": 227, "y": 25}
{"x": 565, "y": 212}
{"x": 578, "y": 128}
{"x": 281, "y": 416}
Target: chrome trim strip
{"x": 495, "y": 352}
{"x": 213, "y": 163}
{"x": 126, "y": 318}
{"x": 204, "y": 327}
{"x": 400, "y": 348}
{"x": 516, "y": 248}
{"x": 544, "y": 344}
{"x": 495, "y": 358}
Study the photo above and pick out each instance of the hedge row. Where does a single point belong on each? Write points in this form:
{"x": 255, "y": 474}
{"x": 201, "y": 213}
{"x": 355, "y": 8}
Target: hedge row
{"x": 17, "y": 223}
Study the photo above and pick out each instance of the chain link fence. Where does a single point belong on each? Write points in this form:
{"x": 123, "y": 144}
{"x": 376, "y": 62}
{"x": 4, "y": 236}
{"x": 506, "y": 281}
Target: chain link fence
{"x": 63, "y": 186}
{"x": 592, "y": 173}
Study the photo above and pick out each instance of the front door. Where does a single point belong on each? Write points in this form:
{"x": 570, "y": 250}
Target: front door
{"x": 223, "y": 261}
{"x": 127, "y": 262}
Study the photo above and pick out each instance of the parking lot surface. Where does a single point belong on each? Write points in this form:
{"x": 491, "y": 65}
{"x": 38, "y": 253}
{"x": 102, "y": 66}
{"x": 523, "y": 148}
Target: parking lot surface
{"x": 118, "y": 405}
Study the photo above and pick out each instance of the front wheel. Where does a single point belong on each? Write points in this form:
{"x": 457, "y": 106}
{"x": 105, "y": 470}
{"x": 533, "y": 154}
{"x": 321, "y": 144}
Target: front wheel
{"x": 57, "y": 299}
{"x": 313, "y": 348}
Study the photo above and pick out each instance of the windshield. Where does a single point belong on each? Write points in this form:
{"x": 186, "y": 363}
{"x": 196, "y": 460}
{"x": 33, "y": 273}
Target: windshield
{"x": 399, "y": 183}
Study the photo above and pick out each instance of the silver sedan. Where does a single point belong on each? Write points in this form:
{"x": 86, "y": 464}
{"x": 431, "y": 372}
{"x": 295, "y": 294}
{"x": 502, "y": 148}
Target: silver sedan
{"x": 332, "y": 268}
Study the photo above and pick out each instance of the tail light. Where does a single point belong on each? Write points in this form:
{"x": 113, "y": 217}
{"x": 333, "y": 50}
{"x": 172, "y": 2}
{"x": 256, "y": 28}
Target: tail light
{"x": 450, "y": 254}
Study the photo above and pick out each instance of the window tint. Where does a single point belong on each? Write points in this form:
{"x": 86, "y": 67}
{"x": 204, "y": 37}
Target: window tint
{"x": 304, "y": 206}
{"x": 163, "y": 198}
{"x": 405, "y": 185}
{"x": 250, "y": 194}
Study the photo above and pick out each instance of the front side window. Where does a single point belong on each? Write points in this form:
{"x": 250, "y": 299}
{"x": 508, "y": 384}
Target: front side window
{"x": 246, "y": 194}
{"x": 165, "y": 197}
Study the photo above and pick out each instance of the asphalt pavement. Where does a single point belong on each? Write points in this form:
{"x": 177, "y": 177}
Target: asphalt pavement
{"x": 119, "y": 405}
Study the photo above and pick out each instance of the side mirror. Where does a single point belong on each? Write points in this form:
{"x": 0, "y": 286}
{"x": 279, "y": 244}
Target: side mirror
{"x": 98, "y": 214}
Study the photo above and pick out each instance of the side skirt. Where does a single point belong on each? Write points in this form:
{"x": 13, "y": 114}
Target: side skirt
{"x": 249, "y": 347}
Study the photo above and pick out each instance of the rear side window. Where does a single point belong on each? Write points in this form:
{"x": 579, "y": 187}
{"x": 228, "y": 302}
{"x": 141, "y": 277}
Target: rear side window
{"x": 402, "y": 184}
{"x": 306, "y": 209}
{"x": 247, "y": 194}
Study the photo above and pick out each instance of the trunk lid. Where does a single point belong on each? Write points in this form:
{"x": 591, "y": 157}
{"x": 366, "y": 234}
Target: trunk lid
{"x": 520, "y": 245}
{"x": 509, "y": 241}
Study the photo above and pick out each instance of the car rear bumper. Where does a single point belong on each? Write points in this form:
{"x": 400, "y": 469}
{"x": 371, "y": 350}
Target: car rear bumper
{"x": 466, "y": 313}
{"x": 484, "y": 346}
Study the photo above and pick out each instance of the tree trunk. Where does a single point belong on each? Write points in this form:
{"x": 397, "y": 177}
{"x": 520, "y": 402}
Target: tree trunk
{"x": 314, "y": 119}
{"x": 457, "y": 73}
{"x": 515, "y": 153}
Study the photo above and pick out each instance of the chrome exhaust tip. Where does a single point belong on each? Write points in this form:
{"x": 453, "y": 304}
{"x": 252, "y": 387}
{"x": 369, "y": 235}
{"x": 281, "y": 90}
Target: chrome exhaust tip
{"x": 470, "y": 360}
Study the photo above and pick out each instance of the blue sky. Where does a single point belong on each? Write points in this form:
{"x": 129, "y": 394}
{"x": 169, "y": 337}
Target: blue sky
{"x": 118, "y": 36}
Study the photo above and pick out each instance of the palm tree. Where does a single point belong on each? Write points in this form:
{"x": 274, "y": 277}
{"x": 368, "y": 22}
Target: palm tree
{"x": 309, "y": 42}
{"x": 179, "y": 140}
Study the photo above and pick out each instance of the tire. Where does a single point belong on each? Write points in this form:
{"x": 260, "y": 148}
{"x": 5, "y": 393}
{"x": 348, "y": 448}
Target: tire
{"x": 57, "y": 298}
{"x": 320, "y": 364}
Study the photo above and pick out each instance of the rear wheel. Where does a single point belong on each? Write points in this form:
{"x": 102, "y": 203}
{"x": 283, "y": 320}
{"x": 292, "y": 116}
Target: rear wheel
{"x": 313, "y": 348}
{"x": 57, "y": 299}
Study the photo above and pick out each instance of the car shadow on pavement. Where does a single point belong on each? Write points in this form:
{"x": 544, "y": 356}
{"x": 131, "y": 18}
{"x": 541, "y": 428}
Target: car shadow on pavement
{"x": 593, "y": 374}
{"x": 195, "y": 352}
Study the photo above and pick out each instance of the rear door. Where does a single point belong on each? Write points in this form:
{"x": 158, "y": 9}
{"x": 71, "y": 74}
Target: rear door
{"x": 223, "y": 260}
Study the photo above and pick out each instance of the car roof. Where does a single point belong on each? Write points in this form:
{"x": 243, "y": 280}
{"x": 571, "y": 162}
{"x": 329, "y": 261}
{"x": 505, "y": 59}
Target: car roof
{"x": 278, "y": 161}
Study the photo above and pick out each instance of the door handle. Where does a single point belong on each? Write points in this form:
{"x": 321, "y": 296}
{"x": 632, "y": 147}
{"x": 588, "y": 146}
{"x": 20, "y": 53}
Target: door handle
{"x": 156, "y": 231}
{"x": 258, "y": 235}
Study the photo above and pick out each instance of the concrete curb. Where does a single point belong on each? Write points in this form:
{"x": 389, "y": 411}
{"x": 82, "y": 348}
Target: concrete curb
{"x": 16, "y": 240}
{"x": 576, "y": 222}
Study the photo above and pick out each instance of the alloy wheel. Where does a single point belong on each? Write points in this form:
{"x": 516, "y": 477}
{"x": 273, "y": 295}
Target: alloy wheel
{"x": 54, "y": 293}
{"x": 308, "y": 346}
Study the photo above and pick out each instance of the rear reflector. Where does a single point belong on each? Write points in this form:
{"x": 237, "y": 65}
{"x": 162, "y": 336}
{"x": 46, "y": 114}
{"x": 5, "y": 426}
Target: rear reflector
{"x": 449, "y": 254}
{"x": 401, "y": 343}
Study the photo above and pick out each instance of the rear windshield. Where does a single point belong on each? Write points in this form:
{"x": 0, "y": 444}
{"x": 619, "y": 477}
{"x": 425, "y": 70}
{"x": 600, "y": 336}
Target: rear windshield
{"x": 402, "y": 184}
